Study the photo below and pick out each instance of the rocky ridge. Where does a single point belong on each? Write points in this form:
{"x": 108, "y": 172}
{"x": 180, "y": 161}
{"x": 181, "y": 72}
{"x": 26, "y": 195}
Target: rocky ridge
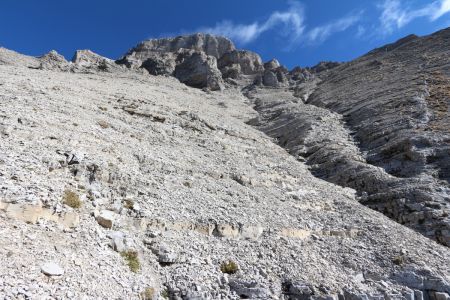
{"x": 155, "y": 190}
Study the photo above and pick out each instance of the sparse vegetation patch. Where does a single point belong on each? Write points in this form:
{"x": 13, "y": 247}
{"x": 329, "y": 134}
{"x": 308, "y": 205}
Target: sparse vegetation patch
{"x": 71, "y": 198}
{"x": 229, "y": 267}
{"x": 132, "y": 259}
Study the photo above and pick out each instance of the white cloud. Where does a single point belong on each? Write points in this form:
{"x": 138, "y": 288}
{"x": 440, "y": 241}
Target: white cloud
{"x": 321, "y": 33}
{"x": 444, "y": 7}
{"x": 239, "y": 32}
{"x": 289, "y": 23}
{"x": 290, "y": 20}
{"x": 394, "y": 16}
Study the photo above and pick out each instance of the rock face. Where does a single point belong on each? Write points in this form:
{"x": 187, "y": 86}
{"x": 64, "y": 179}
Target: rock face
{"x": 209, "y": 44}
{"x": 324, "y": 66}
{"x": 199, "y": 70}
{"x": 192, "y": 59}
{"x": 160, "y": 63}
{"x": 190, "y": 194}
{"x": 208, "y": 58}
{"x": 391, "y": 107}
{"x": 398, "y": 111}
{"x": 249, "y": 62}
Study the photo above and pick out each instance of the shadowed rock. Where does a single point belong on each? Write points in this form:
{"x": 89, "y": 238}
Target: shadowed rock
{"x": 199, "y": 70}
{"x": 249, "y": 62}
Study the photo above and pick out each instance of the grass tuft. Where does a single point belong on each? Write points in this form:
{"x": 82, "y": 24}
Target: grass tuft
{"x": 132, "y": 259}
{"x": 148, "y": 294}
{"x": 165, "y": 294}
{"x": 229, "y": 267}
{"x": 70, "y": 198}
{"x": 128, "y": 204}
{"x": 399, "y": 260}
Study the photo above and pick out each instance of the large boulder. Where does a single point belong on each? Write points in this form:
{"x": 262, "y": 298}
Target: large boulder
{"x": 199, "y": 70}
{"x": 160, "y": 64}
{"x": 300, "y": 74}
{"x": 270, "y": 78}
{"x": 232, "y": 71}
{"x": 249, "y": 62}
{"x": 272, "y": 64}
{"x": 275, "y": 77}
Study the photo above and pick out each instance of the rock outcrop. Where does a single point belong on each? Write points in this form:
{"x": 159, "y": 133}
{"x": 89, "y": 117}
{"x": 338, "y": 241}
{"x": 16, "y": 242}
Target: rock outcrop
{"x": 54, "y": 61}
{"x": 209, "y": 44}
{"x": 192, "y": 59}
{"x": 158, "y": 63}
{"x": 86, "y": 60}
{"x": 214, "y": 58}
{"x": 199, "y": 70}
{"x": 249, "y": 62}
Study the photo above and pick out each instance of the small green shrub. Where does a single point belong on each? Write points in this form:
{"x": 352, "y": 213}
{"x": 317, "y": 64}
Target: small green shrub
{"x": 398, "y": 260}
{"x": 128, "y": 204}
{"x": 132, "y": 259}
{"x": 165, "y": 294}
{"x": 70, "y": 198}
{"x": 148, "y": 294}
{"x": 229, "y": 267}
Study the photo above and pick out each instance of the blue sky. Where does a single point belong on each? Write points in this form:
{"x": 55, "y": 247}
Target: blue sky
{"x": 296, "y": 32}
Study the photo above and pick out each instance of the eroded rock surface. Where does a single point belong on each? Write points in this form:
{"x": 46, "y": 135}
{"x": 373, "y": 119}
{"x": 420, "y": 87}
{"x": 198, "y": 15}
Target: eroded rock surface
{"x": 377, "y": 124}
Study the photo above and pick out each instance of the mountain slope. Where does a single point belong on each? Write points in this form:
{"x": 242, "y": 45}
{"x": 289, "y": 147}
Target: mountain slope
{"x": 393, "y": 103}
{"x": 175, "y": 178}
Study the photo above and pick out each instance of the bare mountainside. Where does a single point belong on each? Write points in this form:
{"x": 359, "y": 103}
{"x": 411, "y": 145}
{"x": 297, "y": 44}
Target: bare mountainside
{"x": 119, "y": 184}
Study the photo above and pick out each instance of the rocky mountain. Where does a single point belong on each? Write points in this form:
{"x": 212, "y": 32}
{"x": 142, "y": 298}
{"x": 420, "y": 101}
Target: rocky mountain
{"x": 189, "y": 169}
